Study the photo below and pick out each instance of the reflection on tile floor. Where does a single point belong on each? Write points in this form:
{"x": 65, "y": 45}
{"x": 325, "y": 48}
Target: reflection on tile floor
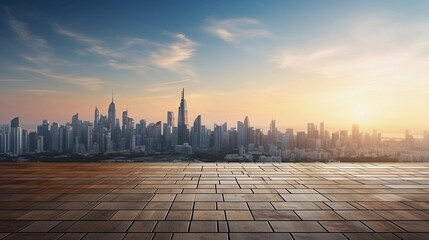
{"x": 149, "y": 201}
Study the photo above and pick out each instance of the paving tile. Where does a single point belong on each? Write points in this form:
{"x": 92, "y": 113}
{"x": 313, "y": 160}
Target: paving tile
{"x": 40, "y": 226}
{"x": 360, "y": 215}
{"x": 138, "y": 236}
{"x": 232, "y": 206}
{"x": 202, "y": 236}
{"x": 257, "y": 236}
{"x": 98, "y": 215}
{"x": 99, "y": 226}
{"x": 72, "y": 236}
{"x": 295, "y": 206}
{"x": 413, "y": 226}
{"x": 13, "y": 226}
{"x": 151, "y": 215}
{"x": 371, "y": 236}
{"x": 33, "y": 236}
{"x": 249, "y": 226}
{"x": 203, "y": 226}
{"x": 304, "y": 197}
{"x": 383, "y": 226}
{"x": 274, "y": 215}
{"x": 142, "y": 226}
{"x": 318, "y": 236}
{"x": 413, "y": 236}
{"x": 297, "y": 226}
{"x": 208, "y": 215}
{"x": 238, "y": 215}
{"x": 120, "y": 206}
{"x": 104, "y": 236}
{"x": 403, "y": 215}
{"x": 179, "y": 215}
{"x": 172, "y": 226}
{"x": 252, "y": 197}
{"x": 318, "y": 215}
{"x": 344, "y": 226}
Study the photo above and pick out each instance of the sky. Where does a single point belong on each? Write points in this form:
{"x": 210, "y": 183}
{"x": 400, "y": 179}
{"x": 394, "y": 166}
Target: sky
{"x": 340, "y": 62}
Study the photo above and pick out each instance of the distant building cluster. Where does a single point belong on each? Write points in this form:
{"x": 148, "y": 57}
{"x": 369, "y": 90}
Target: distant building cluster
{"x": 243, "y": 142}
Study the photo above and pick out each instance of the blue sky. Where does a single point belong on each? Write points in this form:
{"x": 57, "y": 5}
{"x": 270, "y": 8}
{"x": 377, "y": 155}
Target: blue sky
{"x": 295, "y": 61}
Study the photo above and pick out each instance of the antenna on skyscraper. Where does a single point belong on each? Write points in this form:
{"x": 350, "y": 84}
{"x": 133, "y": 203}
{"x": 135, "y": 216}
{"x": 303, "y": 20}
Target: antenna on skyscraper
{"x": 183, "y": 93}
{"x": 112, "y": 95}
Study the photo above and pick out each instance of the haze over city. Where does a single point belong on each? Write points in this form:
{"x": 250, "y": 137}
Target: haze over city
{"x": 338, "y": 62}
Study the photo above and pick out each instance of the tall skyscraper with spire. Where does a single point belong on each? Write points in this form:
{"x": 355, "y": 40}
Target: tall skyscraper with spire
{"x": 182, "y": 122}
{"x": 111, "y": 118}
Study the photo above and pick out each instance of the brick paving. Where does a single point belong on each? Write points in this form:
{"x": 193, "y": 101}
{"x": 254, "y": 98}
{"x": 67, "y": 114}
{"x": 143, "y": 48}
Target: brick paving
{"x": 214, "y": 201}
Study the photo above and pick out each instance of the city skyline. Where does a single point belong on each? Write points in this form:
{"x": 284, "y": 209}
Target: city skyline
{"x": 107, "y": 133}
{"x": 113, "y": 111}
{"x": 334, "y": 61}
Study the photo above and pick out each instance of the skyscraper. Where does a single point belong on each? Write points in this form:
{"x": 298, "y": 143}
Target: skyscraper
{"x": 355, "y": 134}
{"x": 241, "y": 134}
{"x": 111, "y": 118}
{"x": 15, "y": 136}
{"x": 182, "y": 120}
{"x": 322, "y": 134}
{"x": 246, "y": 132}
{"x": 46, "y": 128}
{"x": 96, "y": 118}
{"x": 170, "y": 119}
{"x": 54, "y": 137}
{"x": 196, "y": 134}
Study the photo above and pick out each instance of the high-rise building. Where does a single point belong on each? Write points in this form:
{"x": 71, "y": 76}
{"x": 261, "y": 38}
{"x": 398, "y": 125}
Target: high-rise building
{"x": 273, "y": 136}
{"x": 87, "y": 135}
{"x": 4, "y": 139}
{"x": 111, "y": 118}
{"x": 196, "y": 134}
{"x": 355, "y": 134}
{"x": 322, "y": 134}
{"x": 96, "y": 118}
{"x": 46, "y": 135}
{"x": 182, "y": 121}
{"x": 15, "y": 136}
{"x": 217, "y": 143}
{"x": 170, "y": 119}
{"x": 246, "y": 132}
{"x": 301, "y": 140}
{"x": 241, "y": 134}
{"x": 54, "y": 137}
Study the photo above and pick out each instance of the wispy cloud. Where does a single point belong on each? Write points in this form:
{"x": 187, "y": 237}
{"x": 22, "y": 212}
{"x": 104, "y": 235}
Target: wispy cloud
{"x": 237, "y": 29}
{"x": 39, "y": 50}
{"x": 171, "y": 82}
{"x": 88, "y": 83}
{"x": 40, "y": 91}
{"x": 13, "y": 80}
{"x": 378, "y": 50}
{"x": 139, "y": 54}
{"x": 173, "y": 55}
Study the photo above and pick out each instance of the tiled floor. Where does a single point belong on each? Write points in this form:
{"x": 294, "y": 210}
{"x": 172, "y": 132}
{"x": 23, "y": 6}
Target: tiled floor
{"x": 157, "y": 201}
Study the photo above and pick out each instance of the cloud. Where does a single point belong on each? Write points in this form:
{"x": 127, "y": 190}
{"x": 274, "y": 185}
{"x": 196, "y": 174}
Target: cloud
{"x": 40, "y": 52}
{"x": 88, "y": 83}
{"x": 40, "y": 91}
{"x": 77, "y": 36}
{"x": 237, "y": 29}
{"x": 171, "y": 82}
{"x": 139, "y": 54}
{"x": 172, "y": 56}
{"x": 13, "y": 80}
{"x": 373, "y": 50}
